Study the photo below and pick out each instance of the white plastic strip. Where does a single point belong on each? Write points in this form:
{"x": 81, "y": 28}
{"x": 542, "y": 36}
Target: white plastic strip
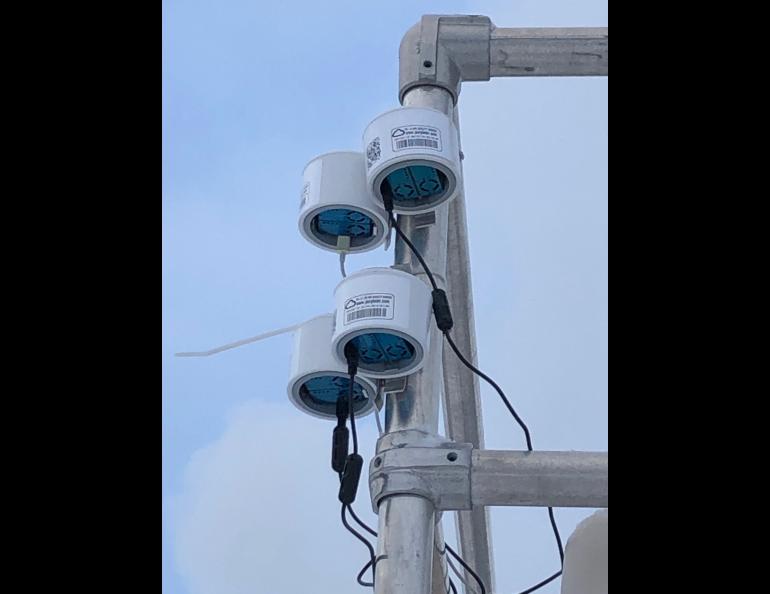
{"x": 377, "y": 410}
{"x": 238, "y": 343}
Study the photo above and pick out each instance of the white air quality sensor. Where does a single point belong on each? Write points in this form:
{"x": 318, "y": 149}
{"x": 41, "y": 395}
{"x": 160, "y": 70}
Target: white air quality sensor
{"x": 413, "y": 157}
{"x": 385, "y": 314}
{"x": 318, "y": 379}
{"x": 337, "y": 212}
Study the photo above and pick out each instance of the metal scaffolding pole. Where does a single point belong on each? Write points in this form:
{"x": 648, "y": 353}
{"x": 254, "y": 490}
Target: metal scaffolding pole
{"x": 542, "y": 479}
{"x": 406, "y": 522}
{"x": 462, "y": 397}
{"x": 436, "y": 56}
{"x": 580, "y": 51}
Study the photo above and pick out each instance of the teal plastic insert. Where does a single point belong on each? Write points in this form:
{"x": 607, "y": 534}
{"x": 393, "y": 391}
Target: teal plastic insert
{"x": 415, "y": 184}
{"x": 321, "y": 393}
{"x": 329, "y": 224}
{"x": 381, "y": 351}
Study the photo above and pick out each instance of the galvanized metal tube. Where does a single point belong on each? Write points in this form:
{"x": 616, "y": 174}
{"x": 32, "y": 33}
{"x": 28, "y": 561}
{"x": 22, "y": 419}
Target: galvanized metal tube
{"x": 462, "y": 398}
{"x": 407, "y": 523}
{"x": 405, "y": 545}
{"x": 429, "y": 96}
{"x": 549, "y": 52}
{"x": 546, "y": 479}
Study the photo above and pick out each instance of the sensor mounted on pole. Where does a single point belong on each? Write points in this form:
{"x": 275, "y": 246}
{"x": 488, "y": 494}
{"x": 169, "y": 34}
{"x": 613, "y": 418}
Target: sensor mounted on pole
{"x": 412, "y": 156}
{"x": 336, "y": 211}
{"x": 318, "y": 379}
{"x": 384, "y": 313}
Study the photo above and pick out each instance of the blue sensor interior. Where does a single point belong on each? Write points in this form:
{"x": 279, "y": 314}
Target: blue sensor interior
{"x": 321, "y": 393}
{"x": 380, "y": 351}
{"x": 331, "y": 223}
{"x": 415, "y": 183}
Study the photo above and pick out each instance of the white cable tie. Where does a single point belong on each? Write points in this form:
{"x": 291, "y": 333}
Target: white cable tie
{"x": 472, "y": 589}
{"x": 343, "y": 247}
{"x": 377, "y": 410}
{"x": 389, "y": 232}
{"x": 257, "y": 338}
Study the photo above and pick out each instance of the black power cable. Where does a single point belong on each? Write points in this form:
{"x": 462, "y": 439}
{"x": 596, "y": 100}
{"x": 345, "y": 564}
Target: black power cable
{"x": 371, "y": 531}
{"x": 340, "y": 437}
{"x": 452, "y": 586}
{"x": 368, "y": 545}
{"x": 350, "y": 473}
{"x": 444, "y": 323}
{"x": 361, "y": 523}
{"x": 492, "y": 383}
{"x": 557, "y": 535}
{"x": 407, "y": 241}
{"x": 541, "y": 584}
{"x": 467, "y": 568}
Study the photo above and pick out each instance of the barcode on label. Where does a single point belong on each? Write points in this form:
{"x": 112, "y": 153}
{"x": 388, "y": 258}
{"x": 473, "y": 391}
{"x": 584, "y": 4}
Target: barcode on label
{"x": 369, "y": 312}
{"x": 369, "y": 305}
{"x": 410, "y": 142}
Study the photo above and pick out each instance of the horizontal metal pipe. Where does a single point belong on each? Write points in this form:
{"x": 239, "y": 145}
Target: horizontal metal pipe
{"x": 539, "y": 479}
{"x": 549, "y": 52}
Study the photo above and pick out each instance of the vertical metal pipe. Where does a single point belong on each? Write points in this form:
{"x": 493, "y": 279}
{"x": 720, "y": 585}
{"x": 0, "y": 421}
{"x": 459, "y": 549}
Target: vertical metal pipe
{"x": 405, "y": 545}
{"x": 406, "y": 522}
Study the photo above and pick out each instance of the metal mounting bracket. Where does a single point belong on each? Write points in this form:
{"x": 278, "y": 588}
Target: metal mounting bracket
{"x": 436, "y": 470}
{"x": 444, "y": 51}
{"x": 455, "y": 476}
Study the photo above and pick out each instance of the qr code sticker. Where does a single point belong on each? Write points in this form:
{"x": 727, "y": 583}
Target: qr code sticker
{"x": 373, "y": 152}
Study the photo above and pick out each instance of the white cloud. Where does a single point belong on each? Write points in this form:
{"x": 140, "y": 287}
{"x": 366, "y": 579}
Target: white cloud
{"x": 259, "y": 511}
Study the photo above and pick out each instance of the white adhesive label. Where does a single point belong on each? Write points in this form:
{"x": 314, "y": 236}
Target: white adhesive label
{"x": 369, "y": 305}
{"x": 305, "y": 195}
{"x": 406, "y": 137}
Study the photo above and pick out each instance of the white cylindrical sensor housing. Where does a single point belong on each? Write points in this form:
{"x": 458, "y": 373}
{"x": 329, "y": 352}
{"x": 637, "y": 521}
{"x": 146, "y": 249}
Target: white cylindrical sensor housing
{"x": 413, "y": 156}
{"x": 318, "y": 379}
{"x": 337, "y": 211}
{"x": 385, "y": 313}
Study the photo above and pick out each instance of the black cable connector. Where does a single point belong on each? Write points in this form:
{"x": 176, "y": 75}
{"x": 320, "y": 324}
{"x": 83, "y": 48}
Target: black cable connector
{"x": 441, "y": 310}
{"x": 340, "y": 437}
{"x": 351, "y": 474}
{"x": 350, "y": 478}
{"x": 339, "y": 449}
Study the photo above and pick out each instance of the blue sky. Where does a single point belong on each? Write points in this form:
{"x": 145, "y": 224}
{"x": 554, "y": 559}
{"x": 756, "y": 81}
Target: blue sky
{"x": 251, "y": 92}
